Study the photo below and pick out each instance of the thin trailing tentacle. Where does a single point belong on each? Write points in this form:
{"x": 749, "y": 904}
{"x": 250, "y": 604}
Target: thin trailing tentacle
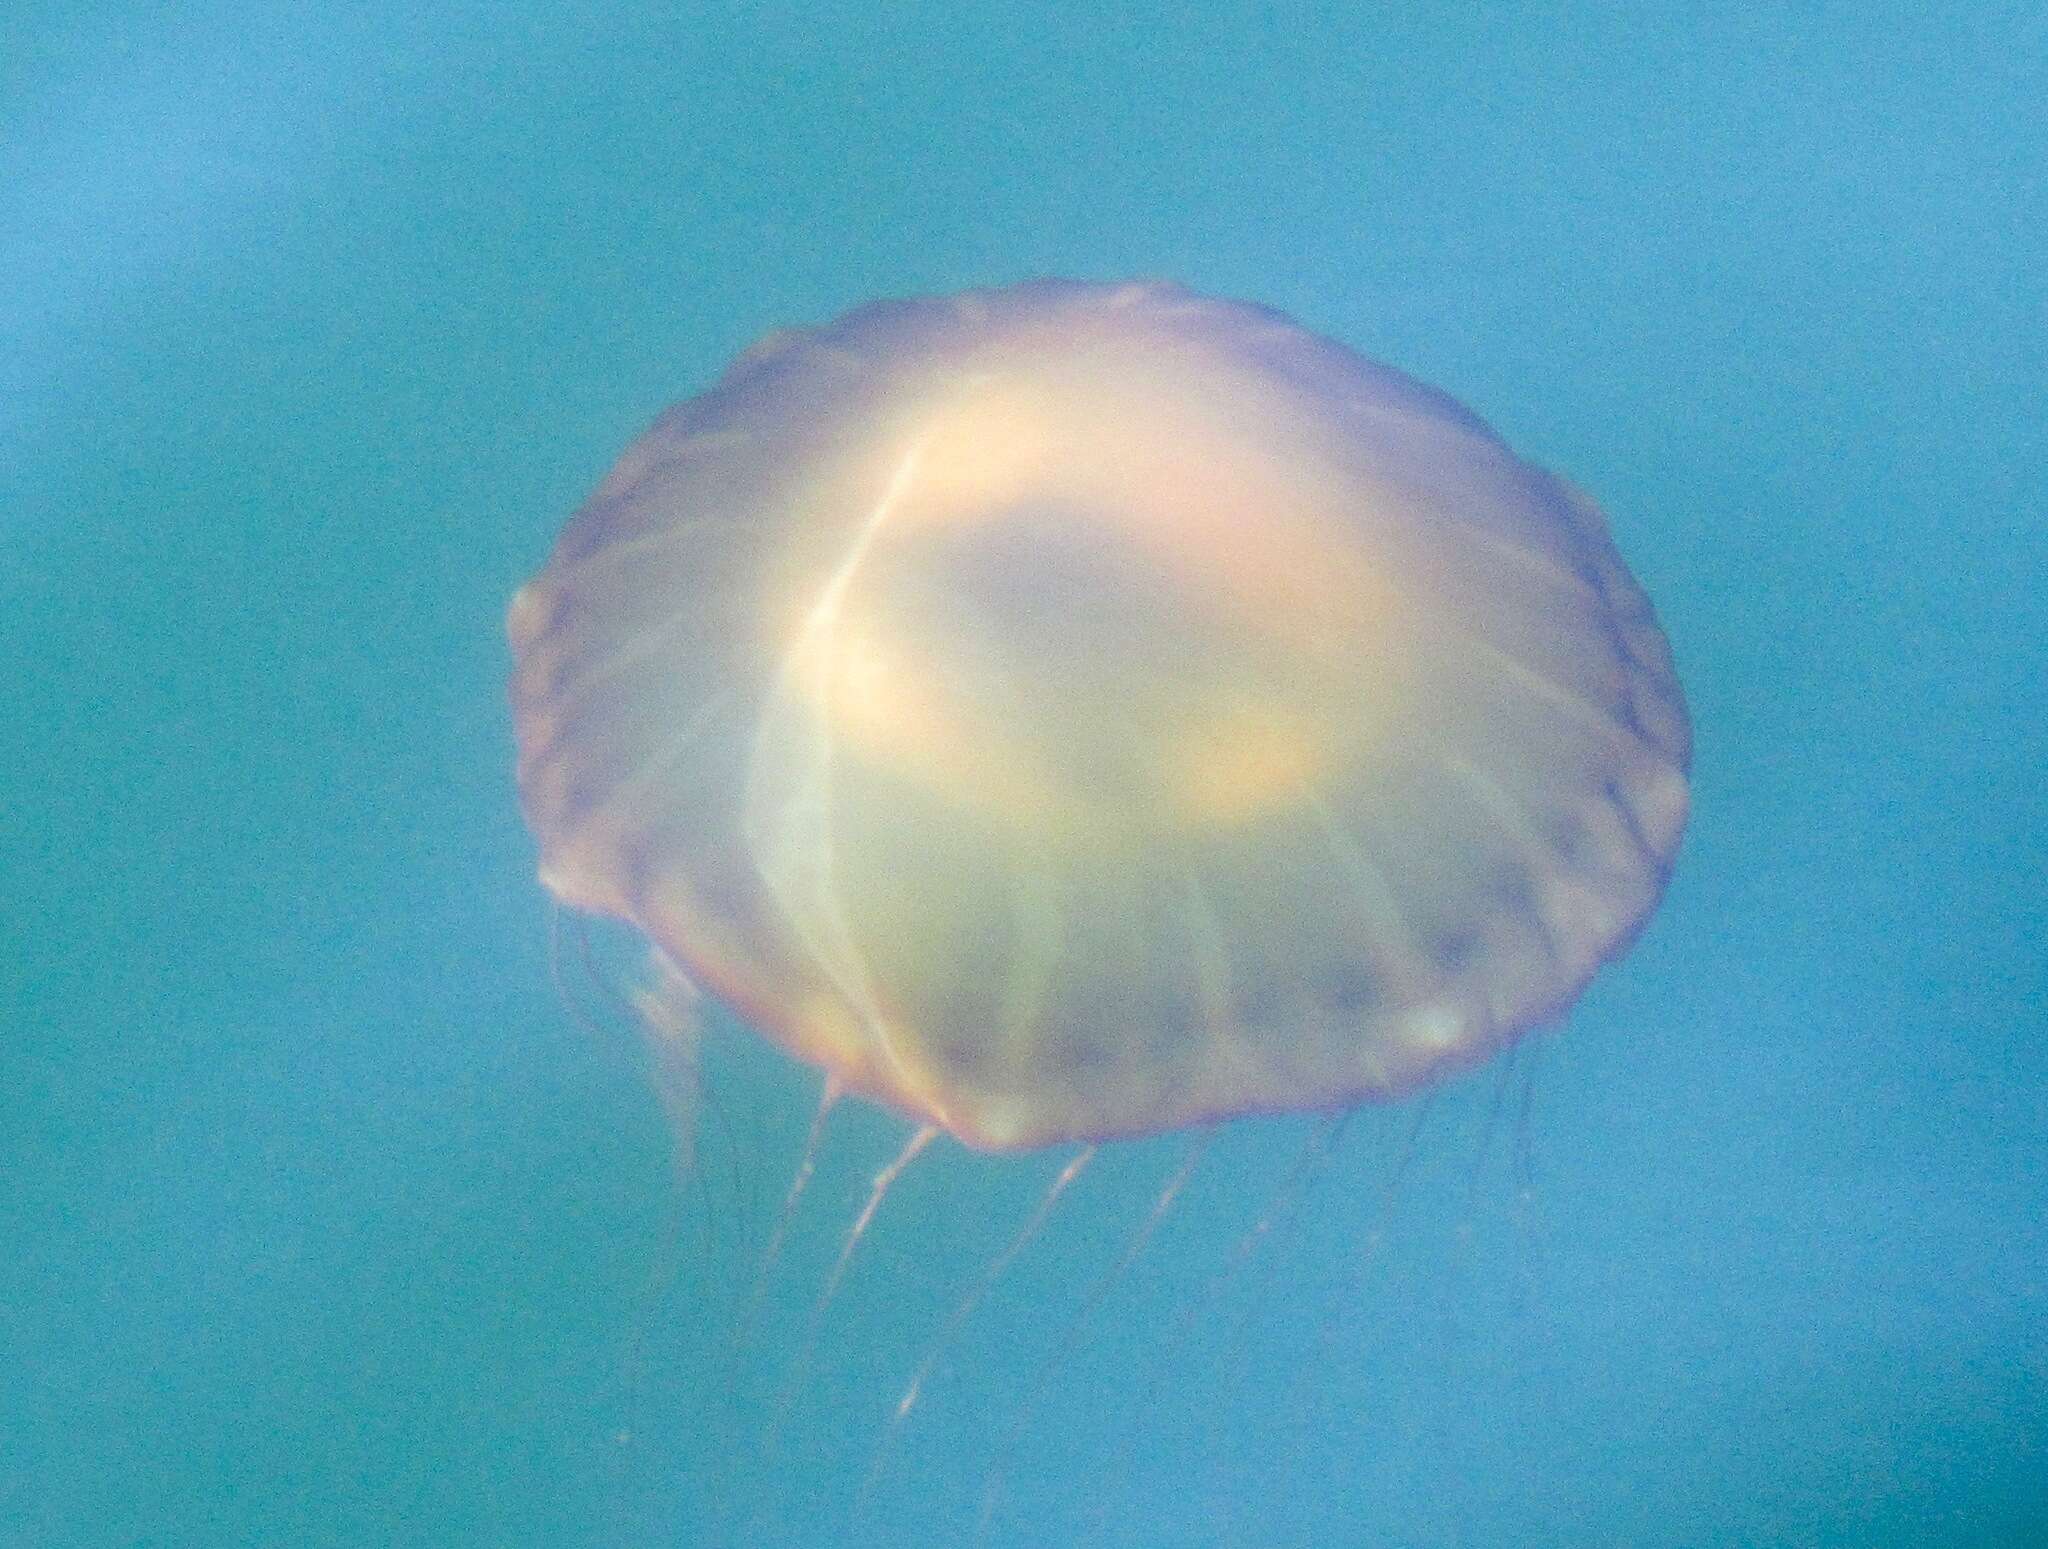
{"x": 1069, "y": 1336}
{"x": 962, "y": 1310}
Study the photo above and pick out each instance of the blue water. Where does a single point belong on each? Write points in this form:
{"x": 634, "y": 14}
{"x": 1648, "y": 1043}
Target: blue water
{"x": 323, "y": 1222}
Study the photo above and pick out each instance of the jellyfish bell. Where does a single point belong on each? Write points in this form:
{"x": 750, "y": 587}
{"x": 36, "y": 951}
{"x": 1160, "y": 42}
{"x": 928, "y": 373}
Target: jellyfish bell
{"x": 1073, "y": 711}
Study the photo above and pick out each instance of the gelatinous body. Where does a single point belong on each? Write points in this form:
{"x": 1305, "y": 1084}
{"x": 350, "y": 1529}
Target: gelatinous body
{"x": 1077, "y": 711}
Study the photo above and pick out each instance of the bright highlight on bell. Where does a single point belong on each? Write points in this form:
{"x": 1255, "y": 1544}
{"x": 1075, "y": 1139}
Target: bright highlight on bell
{"x": 1077, "y": 711}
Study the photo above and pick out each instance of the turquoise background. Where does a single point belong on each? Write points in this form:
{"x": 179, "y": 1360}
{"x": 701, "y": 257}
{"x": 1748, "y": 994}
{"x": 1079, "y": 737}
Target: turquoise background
{"x": 324, "y": 1221}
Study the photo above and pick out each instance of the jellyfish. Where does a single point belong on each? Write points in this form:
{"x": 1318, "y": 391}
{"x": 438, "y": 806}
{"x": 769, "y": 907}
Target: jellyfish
{"x": 1073, "y": 711}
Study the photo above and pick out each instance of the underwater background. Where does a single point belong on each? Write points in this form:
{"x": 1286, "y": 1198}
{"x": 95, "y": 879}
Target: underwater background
{"x": 331, "y": 1216}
